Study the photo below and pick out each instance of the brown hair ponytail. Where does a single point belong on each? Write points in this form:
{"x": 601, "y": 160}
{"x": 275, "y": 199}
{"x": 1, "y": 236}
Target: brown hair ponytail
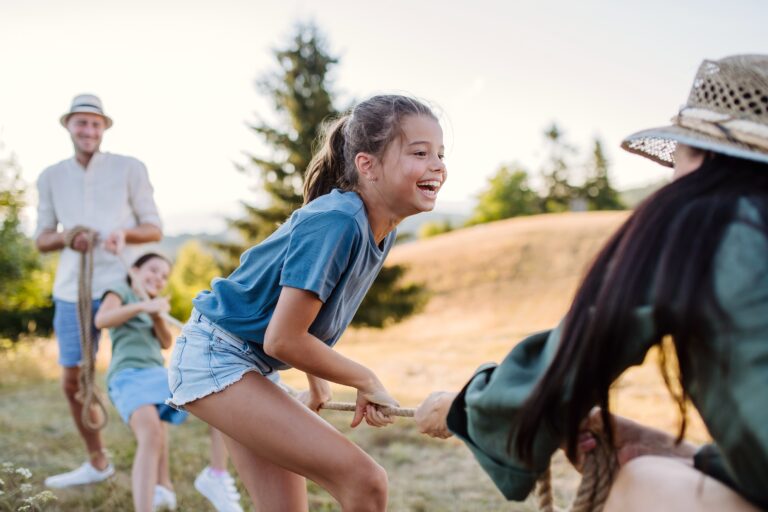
{"x": 327, "y": 169}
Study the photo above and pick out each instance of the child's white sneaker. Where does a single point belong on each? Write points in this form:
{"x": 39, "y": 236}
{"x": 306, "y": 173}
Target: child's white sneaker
{"x": 85, "y": 474}
{"x": 219, "y": 489}
{"x": 165, "y": 499}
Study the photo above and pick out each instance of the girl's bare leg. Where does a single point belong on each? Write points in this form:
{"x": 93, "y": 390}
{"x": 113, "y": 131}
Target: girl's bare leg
{"x": 163, "y": 467}
{"x": 218, "y": 450}
{"x": 148, "y": 430}
{"x": 284, "y": 439}
{"x": 669, "y": 484}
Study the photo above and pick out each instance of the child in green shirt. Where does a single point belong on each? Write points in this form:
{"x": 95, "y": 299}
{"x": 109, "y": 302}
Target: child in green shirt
{"x": 137, "y": 379}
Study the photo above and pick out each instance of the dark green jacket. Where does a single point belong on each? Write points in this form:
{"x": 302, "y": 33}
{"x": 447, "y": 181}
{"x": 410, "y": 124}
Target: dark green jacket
{"x": 732, "y": 398}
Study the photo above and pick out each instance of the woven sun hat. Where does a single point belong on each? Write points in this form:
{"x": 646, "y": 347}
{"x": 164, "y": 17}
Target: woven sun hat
{"x": 88, "y": 104}
{"x": 726, "y": 112}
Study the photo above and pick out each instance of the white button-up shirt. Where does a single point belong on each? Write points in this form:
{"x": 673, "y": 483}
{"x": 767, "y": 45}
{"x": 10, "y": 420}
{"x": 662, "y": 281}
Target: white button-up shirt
{"x": 113, "y": 193}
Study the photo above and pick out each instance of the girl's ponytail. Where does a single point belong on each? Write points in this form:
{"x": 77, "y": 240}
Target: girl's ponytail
{"x": 327, "y": 169}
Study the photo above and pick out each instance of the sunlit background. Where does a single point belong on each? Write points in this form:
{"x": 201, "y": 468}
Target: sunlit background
{"x": 178, "y": 79}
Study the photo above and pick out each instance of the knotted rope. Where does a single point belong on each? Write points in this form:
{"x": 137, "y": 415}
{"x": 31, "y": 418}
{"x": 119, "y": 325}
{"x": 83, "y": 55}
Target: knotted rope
{"x": 87, "y": 394}
{"x": 599, "y": 470}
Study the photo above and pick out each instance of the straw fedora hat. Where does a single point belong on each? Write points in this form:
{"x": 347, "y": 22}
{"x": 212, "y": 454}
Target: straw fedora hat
{"x": 88, "y": 104}
{"x": 726, "y": 112}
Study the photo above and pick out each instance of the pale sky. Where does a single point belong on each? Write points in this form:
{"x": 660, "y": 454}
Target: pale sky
{"x": 178, "y": 78}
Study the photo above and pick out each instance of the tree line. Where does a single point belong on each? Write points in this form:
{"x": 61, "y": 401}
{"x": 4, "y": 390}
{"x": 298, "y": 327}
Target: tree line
{"x": 565, "y": 186}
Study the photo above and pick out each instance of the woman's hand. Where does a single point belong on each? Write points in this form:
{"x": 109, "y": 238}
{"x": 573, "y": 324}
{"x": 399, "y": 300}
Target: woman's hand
{"x": 319, "y": 392}
{"x": 156, "y": 306}
{"x": 630, "y": 440}
{"x": 369, "y": 400}
{"x": 431, "y": 414}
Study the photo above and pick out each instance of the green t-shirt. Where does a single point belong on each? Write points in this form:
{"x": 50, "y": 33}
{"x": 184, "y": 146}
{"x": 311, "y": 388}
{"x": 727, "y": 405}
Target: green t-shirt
{"x": 134, "y": 344}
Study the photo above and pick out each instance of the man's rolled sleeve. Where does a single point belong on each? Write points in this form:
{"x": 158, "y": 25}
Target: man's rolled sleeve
{"x": 46, "y": 214}
{"x": 141, "y": 196}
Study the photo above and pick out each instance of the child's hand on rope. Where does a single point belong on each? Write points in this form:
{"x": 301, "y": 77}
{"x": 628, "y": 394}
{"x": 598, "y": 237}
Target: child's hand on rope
{"x": 157, "y": 306}
{"x": 115, "y": 242}
{"x": 630, "y": 440}
{"x": 367, "y": 406}
{"x": 432, "y": 413}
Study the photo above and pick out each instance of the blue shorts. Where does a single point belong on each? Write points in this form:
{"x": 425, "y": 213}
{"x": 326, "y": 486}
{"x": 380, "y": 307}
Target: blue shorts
{"x": 132, "y": 388}
{"x": 67, "y": 330}
{"x": 206, "y": 359}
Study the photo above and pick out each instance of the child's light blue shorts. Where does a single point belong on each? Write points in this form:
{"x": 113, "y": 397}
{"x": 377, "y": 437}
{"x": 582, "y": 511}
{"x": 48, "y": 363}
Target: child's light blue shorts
{"x": 206, "y": 359}
{"x": 132, "y": 388}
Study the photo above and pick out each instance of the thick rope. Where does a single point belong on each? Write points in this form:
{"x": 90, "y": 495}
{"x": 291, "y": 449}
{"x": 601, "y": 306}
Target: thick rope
{"x": 87, "y": 394}
{"x": 599, "y": 470}
{"x": 349, "y": 406}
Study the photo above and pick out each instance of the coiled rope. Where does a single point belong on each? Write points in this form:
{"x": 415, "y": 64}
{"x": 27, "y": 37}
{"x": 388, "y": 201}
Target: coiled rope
{"x": 87, "y": 394}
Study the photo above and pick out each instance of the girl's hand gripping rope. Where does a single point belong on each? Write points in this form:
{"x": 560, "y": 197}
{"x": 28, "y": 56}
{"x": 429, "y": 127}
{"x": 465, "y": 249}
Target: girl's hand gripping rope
{"x": 368, "y": 404}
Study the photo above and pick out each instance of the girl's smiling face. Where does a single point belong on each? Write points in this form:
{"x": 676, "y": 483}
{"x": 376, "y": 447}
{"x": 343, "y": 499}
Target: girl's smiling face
{"x": 153, "y": 275}
{"x": 411, "y": 171}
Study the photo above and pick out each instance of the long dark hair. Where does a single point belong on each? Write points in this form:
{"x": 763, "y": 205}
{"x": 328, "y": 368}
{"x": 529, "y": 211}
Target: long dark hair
{"x": 368, "y": 128}
{"x": 661, "y": 256}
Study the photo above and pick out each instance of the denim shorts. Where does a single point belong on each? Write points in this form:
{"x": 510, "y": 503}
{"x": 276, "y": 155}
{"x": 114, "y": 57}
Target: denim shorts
{"x": 206, "y": 359}
{"x": 131, "y": 388}
{"x": 66, "y": 327}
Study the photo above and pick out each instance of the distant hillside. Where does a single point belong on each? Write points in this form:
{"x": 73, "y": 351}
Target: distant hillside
{"x": 634, "y": 196}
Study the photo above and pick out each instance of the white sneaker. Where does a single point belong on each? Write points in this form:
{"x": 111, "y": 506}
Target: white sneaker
{"x": 85, "y": 474}
{"x": 164, "y": 499}
{"x": 220, "y": 491}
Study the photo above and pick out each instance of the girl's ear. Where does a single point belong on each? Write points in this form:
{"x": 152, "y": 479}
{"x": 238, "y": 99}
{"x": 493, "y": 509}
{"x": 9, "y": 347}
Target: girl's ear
{"x": 364, "y": 162}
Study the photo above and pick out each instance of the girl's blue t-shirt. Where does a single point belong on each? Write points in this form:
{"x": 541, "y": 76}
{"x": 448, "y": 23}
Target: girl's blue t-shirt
{"x": 326, "y": 247}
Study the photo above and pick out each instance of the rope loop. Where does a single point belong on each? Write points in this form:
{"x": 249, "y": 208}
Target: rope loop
{"x": 87, "y": 394}
{"x": 597, "y": 475}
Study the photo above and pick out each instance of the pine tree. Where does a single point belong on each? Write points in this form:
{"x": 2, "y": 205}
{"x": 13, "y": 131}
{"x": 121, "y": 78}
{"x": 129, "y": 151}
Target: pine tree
{"x": 300, "y": 90}
{"x": 558, "y": 191}
{"x": 598, "y": 191}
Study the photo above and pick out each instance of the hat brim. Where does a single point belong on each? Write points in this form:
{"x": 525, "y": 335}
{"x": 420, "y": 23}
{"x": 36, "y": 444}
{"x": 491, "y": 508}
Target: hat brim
{"x": 659, "y": 144}
{"x": 63, "y": 119}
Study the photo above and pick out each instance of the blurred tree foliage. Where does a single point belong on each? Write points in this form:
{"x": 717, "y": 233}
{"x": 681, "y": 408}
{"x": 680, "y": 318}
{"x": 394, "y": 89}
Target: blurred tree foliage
{"x": 597, "y": 190}
{"x": 434, "y": 228}
{"x": 509, "y": 193}
{"x": 193, "y": 270}
{"x": 558, "y": 190}
{"x": 301, "y": 95}
{"x": 26, "y": 279}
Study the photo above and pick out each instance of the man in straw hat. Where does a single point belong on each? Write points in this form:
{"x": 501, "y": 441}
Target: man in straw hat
{"x": 690, "y": 266}
{"x": 110, "y": 195}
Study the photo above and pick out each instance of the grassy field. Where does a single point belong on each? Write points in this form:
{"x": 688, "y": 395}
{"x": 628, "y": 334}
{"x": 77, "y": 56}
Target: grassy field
{"x": 491, "y": 285}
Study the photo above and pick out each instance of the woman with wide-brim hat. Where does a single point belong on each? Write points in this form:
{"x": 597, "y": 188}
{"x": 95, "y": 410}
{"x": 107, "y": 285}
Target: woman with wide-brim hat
{"x": 690, "y": 265}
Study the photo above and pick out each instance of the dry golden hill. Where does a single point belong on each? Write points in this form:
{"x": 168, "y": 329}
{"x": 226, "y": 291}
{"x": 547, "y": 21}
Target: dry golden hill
{"x": 492, "y": 285}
